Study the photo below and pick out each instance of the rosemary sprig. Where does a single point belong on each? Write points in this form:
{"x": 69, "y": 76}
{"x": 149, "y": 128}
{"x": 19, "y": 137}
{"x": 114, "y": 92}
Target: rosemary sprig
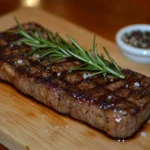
{"x": 55, "y": 47}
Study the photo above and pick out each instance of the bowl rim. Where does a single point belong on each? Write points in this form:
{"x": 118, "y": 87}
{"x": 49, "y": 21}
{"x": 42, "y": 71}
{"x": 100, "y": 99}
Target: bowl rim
{"x": 127, "y": 48}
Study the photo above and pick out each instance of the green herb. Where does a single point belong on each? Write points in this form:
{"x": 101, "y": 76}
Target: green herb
{"x": 55, "y": 48}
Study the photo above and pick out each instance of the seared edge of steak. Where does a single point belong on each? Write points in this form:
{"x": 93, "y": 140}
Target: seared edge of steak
{"x": 116, "y": 123}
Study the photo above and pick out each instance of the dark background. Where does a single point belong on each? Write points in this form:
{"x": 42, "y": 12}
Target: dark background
{"x": 104, "y": 17}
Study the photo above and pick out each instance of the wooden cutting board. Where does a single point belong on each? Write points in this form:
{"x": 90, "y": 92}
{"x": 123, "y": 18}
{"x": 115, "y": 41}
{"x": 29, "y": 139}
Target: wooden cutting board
{"x": 28, "y": 125}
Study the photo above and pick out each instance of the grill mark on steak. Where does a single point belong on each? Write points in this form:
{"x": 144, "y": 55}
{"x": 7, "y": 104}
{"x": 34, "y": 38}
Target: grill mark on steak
{"x": 116, "y": 106}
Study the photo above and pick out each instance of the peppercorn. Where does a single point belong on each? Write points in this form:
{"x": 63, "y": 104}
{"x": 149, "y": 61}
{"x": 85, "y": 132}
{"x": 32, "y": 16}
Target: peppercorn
{"x": 139, "y": 39}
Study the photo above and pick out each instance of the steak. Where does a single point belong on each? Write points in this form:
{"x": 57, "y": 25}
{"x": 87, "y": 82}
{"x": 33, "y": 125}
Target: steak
{"x": 119, "y": 107}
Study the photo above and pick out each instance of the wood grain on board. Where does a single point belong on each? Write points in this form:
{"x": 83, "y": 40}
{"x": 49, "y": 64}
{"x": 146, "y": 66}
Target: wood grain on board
{"x": 26, "y": 124}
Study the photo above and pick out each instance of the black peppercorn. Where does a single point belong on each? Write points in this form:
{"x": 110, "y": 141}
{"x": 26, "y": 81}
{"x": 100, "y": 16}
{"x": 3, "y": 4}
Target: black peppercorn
{"x": 139, "y": 39}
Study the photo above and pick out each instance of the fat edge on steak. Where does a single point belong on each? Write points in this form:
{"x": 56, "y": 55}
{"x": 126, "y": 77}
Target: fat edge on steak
{"x": 119, "y": 107}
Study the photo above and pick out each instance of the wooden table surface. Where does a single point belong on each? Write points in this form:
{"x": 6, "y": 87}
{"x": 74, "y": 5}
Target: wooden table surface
{"x": 104, "y": 17}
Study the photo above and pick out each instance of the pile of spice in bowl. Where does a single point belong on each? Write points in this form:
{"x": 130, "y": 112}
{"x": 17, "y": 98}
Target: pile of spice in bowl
{"x": 137, "y": 38}
{"x": 134, "y": 41}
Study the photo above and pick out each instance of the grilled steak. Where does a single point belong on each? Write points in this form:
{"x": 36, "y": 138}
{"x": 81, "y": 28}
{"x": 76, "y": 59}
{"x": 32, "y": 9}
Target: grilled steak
{"x": 116, "y": 106}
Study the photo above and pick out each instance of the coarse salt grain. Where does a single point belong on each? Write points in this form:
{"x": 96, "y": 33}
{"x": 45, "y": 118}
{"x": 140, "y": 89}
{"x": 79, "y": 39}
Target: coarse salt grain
{"x": 11, "y": 45}
{"x": 118, "y": 119}
{"x": 19, "y": 43}
{"x": 69, "y": 71}
{"x": 120, "y": 140}
{"x": 124, "y": 113}
{"x": 36, "y": 55}
{"x": 112, "y": 80}
{"x": 143, "y": 134}
{"x": 92, "y": 101}
{"x": 109, "y": 97}
{"x": 109, "y": 106}
{"x": 58, "y": 74}
{"x": 136, "y": 84}
{"x": 86, "y": 75}
{"x": 20, "y": 61}
{"x": 115, "y": 110}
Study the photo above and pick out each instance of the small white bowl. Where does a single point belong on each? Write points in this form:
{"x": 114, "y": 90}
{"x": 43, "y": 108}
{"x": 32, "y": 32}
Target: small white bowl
{"x": 139, "y": 55}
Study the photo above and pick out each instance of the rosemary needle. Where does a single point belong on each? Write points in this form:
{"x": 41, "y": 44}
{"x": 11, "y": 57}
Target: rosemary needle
{"x": 55, "y": 47}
